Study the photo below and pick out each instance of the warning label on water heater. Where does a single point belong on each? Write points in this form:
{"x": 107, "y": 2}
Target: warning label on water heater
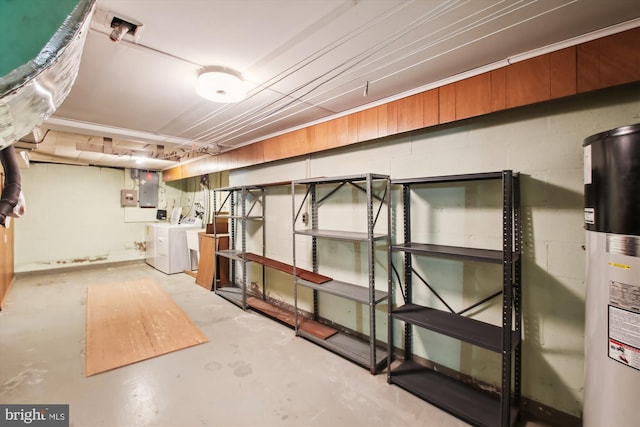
{"x": 624, "y": 323}
{"x": 625, "y": 354}
{"x": 624, "y": 295}
{"x": 624, "y": 336}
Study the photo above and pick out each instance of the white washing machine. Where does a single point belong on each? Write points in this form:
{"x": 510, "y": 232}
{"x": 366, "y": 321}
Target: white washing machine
{"x": 166, "y": 246}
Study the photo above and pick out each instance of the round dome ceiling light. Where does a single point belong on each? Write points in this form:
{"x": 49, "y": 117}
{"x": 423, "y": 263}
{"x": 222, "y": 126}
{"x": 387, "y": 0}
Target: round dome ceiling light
{"x": 220, "y": 84}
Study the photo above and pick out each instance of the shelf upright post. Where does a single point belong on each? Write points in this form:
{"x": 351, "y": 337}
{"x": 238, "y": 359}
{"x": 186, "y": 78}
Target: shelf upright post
{"x": 215, "y": 259}
{"x": 263, "y": 201}
{"x": 293, "y": 259}
{"x": 314, "y": 245}
{"x": 507, "y": 299}
{"x": 372, "y": 282}
{"x": 408, "y": 267}
{"x": 517, "y": 300}
{"x": 390, "y": 286}
{"x": 232, "y": 230}
{"x": 386, "y": 200}
{"x": 243, "y": 262}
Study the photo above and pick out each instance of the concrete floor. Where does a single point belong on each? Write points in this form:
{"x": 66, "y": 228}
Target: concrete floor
{"x": 252, "y": 372}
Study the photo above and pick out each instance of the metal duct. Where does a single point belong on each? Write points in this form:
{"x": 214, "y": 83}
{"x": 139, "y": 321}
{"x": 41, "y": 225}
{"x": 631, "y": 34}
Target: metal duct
{"x": 31, "y": 93}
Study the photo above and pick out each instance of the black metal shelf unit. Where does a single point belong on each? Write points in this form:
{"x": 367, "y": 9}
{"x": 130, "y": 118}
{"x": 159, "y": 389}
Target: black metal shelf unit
{"x": 364, "y": 352}
{"x": 471, "y": 404}
{"x": 239, "y": 206}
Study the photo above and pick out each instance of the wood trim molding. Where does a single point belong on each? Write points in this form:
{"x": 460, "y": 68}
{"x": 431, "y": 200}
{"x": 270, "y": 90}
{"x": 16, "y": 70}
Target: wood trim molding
{"x": 609, "y": 61}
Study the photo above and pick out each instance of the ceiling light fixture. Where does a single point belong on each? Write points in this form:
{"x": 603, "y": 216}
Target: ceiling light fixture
{"x": 220, "y": 84}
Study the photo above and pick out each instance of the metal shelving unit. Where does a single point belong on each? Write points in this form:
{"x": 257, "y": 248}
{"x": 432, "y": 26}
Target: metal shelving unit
{"x": 469, "y": 403}
{"x": 365, "y": 352}
{"x": 242, "y": 205}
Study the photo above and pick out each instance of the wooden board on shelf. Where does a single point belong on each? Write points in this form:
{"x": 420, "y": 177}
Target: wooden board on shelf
{"x": 287, "y": 268}
{"x": 312, "y": 327}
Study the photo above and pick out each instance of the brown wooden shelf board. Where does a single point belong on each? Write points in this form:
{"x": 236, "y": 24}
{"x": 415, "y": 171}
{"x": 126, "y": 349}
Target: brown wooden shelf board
{"x": 312, "y": 327}
{"x": 281, "y": 266}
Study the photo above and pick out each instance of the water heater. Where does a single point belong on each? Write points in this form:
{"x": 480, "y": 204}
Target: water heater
{"x": 612, "y": 330}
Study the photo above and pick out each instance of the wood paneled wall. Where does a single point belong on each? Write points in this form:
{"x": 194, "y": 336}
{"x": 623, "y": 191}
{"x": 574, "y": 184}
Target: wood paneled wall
{"x": 598, "y": 64}
{"x": 7, "y": 275}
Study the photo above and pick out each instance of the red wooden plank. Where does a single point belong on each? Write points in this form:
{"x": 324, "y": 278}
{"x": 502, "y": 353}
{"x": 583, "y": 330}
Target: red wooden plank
{"x": 312, "y": 327}
{"x": 281, "y": 266}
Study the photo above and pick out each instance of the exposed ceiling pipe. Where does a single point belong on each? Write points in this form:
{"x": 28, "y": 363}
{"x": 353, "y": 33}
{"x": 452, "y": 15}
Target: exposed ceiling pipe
{"x": 10, "y": 204}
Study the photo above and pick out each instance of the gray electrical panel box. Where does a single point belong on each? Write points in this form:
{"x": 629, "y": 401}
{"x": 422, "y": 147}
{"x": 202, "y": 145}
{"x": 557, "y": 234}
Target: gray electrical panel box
{"x": 148, "y": 189}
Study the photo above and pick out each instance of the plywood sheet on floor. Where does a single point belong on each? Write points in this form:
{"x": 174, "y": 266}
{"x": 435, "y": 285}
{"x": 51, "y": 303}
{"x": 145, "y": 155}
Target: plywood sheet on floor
{"x": 312, "y": 327}
{"x": 132, "y": 321}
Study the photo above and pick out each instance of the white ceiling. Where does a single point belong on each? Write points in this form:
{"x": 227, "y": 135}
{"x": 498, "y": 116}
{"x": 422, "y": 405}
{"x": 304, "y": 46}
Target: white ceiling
{"x": 303, "y": 60}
